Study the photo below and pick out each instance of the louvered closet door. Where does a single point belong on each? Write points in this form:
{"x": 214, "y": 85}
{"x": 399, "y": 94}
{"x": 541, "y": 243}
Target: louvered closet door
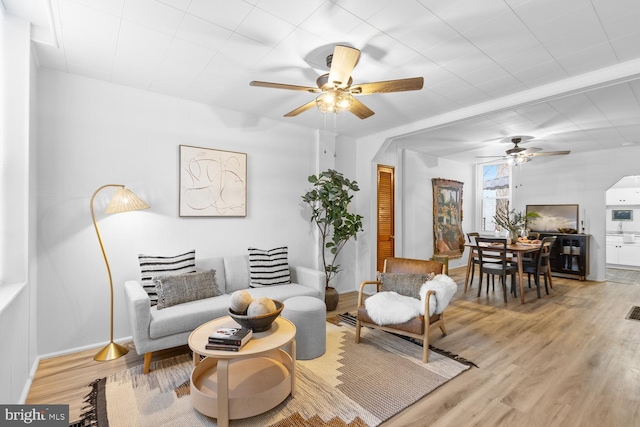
{"x": 385, "y": 214}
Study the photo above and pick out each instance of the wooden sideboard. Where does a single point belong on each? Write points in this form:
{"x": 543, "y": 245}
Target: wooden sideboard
{"x": 570, "y": 255}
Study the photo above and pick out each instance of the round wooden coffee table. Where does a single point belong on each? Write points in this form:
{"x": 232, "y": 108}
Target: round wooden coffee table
{"x": 229, "y": 385}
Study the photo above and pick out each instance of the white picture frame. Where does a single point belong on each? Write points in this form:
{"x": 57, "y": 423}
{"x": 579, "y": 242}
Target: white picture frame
{"x": 213, "y": 183}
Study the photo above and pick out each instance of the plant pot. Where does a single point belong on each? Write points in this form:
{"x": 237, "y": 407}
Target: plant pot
{"x": 331, "y": 298}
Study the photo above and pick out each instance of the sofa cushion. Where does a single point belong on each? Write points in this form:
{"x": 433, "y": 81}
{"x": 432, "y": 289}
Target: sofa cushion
{"x": 153, "y": 265}
{"x": 284, "y": 292}
{"x": 183, "y": 288}
{"x": 269, "y": 267}
{"x": 236, "y": 272}
{"x": 187, "y": 316}
{"x": 217, "y": 264}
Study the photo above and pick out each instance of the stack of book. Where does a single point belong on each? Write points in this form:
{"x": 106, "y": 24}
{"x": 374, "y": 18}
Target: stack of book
{"x": 228, "y": 339}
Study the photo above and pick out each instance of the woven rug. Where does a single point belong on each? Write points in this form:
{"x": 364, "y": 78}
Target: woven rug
{"x": 350, "y": 385}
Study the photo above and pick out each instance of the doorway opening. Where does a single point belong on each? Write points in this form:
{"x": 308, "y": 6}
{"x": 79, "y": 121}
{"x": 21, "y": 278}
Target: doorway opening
{"x": 623, "y": 230}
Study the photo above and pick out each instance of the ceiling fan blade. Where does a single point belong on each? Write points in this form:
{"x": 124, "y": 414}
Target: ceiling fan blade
{"x": 342, "y": 63}
{"x": 530, "y": 150}
{"x": 401, "y": 85}
{"x": 360, "y": 110}
{"x": 550, "y": 153}
{"x": 285, "y": 86}
{"x": 491, "y": 157}
{"x": 309, "y": 105}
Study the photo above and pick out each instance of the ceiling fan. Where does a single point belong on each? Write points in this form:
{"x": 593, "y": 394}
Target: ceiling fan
{"x": 336, "y": 89}
{"x": 518, "y": 155}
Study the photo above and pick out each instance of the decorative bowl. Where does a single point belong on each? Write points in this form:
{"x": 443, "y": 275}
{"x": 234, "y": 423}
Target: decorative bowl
{"x": 568, "y": 230}
{"x": 259, "y": 323}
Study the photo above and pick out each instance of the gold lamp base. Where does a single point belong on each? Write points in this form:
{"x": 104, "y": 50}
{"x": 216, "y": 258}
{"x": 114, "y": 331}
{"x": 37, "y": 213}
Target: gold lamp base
{"x": 110, "y": 352}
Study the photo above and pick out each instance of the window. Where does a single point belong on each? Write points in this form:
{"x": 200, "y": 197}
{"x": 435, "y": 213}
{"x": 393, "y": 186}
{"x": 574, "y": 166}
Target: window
{"x": 496, "y": 193}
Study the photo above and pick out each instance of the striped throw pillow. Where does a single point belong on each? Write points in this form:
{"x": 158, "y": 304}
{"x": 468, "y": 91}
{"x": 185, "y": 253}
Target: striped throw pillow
{"x": 152, "y": 266}
{"x": 269, "y": 267}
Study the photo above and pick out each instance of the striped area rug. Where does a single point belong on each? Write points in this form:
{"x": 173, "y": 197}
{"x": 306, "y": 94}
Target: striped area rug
{"x": 350, "y": 385}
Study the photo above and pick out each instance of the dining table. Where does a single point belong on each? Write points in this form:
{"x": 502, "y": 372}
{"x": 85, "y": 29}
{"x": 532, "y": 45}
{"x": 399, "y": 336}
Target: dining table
{"x": 517, "y": 251}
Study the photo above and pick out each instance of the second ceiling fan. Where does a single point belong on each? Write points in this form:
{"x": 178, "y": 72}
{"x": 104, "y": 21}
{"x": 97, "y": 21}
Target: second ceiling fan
{"x": 336, "y": 88}
{"x": 518, "y": 155}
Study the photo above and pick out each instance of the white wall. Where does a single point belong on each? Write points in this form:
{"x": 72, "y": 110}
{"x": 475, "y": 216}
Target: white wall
{"x": 345, "y": 162}
{"x": 416, "y": 197}
{"x": 414, "y": 200}
{"x": 17, "y": 306}
{"x": 93, "y": 133}
{"x": 366, "y": 175}
{"x": 578, "y": 179}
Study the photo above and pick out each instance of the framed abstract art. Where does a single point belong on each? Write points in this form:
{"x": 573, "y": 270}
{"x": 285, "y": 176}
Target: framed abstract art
{"x": 212, "y": 182}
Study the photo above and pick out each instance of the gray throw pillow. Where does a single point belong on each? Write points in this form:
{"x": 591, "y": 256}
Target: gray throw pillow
{"x": 405, "y": 284}
{"x": 173, "y": 290}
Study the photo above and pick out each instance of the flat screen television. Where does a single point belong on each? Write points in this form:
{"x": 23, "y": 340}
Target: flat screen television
{"x": 621, "y": 215}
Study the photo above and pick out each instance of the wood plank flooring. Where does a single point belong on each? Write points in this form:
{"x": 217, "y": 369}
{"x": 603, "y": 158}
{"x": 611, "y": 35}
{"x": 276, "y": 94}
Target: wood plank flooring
{"x": 567, "y": 359}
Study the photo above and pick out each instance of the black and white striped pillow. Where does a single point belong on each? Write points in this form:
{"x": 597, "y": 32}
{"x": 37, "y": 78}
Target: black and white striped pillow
{"x": 268, "y": 268}
{"x": 153, "y": 266}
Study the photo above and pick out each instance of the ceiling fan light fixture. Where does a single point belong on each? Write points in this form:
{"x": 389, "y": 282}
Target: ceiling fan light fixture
{"x": 333, "y": 101}
{"x": 515, "y": 160}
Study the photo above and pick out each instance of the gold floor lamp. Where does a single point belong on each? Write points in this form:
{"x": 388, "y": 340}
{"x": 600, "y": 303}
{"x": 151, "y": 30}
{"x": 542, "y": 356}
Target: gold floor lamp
{"x": 123, "y": 200}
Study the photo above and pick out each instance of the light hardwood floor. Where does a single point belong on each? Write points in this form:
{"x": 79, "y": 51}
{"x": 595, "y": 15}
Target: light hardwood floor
{"x": 567, "y": 359}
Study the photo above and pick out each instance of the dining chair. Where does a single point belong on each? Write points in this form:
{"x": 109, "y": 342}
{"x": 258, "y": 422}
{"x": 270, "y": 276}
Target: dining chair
{"x": 471, "y": 237}
{"x": 496, "y": 250}
{"x": 538, "y": 266}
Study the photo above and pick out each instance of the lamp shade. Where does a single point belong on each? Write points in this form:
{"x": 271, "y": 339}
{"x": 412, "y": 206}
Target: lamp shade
{"x": 123, "y": 200}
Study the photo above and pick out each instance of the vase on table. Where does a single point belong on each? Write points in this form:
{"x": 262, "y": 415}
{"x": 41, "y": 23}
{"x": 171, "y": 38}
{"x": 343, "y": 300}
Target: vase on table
{"x": 511, "y": 236}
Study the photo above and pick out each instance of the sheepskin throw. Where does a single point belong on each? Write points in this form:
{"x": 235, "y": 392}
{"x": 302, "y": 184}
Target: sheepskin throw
{"x": 445, "y": 288}
{"x": 389, "y": 307}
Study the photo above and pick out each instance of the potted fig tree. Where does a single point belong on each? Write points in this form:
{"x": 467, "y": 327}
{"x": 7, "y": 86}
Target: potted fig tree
{"x": 329, "y": 201}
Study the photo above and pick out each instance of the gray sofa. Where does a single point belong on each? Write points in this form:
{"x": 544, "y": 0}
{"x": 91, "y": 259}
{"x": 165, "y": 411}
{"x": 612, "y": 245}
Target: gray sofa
{"x": 154, "y": 329}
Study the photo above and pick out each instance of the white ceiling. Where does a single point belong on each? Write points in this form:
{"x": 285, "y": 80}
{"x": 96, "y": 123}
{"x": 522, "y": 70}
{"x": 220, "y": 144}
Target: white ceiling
{"x": 564, "y": 71}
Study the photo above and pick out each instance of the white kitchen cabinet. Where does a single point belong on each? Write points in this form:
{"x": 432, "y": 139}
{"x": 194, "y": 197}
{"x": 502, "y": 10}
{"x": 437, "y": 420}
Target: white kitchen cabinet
{"x": 629, "y": 255}
{"x": 613, "y": 253}
{"x": 623, "y": 253}
{"x": 623, "y": 196}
